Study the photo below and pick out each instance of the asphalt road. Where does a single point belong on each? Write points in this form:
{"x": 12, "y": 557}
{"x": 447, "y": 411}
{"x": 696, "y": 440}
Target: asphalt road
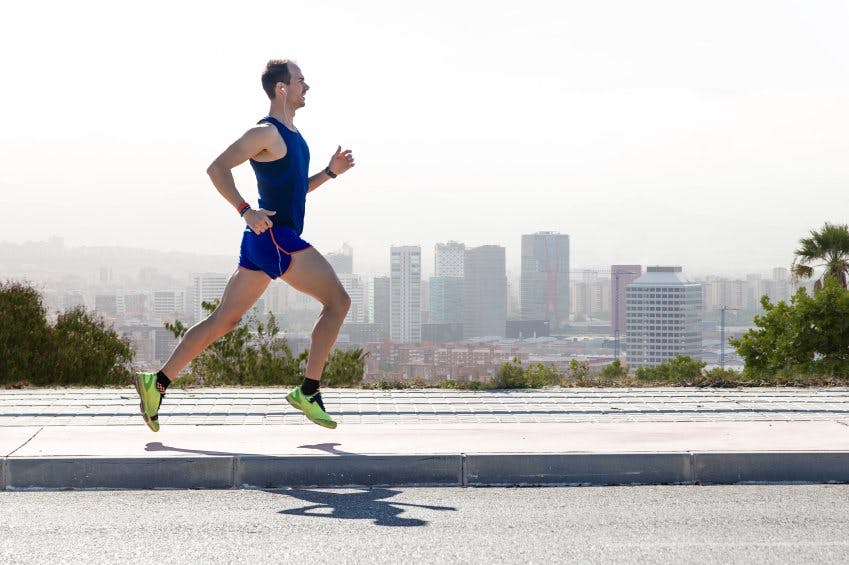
{"x": 688, "y": 524}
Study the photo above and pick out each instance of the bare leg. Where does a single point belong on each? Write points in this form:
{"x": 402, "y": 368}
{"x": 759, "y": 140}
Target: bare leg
{"x": 243, "y": 290}
{"x": 311, "y": 274}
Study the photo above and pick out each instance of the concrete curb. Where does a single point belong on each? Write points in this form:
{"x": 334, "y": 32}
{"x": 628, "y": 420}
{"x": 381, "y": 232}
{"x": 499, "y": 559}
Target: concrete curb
{"x": 254, "y": 471}
{"x": 362, "y": 470}
{"x": 578, "y": 468}
{"x": 803, "y": 467}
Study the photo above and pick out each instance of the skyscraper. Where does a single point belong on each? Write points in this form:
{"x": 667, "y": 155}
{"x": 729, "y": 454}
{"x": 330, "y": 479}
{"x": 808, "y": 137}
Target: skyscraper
{"x": 446, "y": 300}
{"x": 662, "y": 314}
{"x": 545, "y": 278}
{"x": 448, "y": 259}
{"x": 405, "y": 324}
{"x": 620, "y": 277}
{"x": 342, "y": 261}
{"x": 485, "y": 292}
{"x": 380, "y": 304}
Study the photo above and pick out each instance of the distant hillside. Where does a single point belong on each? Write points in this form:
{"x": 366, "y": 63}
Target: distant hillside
{"x": 52, "y": 257}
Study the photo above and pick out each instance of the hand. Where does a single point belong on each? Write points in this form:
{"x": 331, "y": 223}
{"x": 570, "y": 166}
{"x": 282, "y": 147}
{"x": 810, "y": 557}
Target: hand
{"x": 258, "y": 220}
{"x": 341, "y": 161}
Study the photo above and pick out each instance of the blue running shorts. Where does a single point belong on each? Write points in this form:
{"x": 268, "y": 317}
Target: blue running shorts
{"x": 271, "y": 251}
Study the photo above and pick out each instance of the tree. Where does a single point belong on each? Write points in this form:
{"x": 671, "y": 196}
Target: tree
{"x": 78, "y": 350}
{"x": 251, "y": 354}
{"x": 828, "y": 248}
{"x": 809, "y": 336}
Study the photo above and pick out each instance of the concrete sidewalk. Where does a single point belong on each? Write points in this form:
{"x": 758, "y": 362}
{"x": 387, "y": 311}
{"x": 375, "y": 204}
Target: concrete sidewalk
{"x": 461, "y": 438}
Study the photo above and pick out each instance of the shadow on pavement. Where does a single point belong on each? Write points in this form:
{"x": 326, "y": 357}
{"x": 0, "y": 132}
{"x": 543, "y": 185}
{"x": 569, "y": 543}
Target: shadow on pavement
{"x": 326, "y": 447}
{"x": 367, "y": 504}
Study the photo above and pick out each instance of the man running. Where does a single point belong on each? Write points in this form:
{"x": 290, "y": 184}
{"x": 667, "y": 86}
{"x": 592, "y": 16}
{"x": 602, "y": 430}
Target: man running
{"x": 271, "y": 243}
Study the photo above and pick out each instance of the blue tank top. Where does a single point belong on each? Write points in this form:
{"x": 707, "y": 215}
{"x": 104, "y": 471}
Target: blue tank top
{"x": 283, "y": 183}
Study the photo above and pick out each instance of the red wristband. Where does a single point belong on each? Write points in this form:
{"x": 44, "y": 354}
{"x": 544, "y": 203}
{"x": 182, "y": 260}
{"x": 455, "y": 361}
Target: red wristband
{"x": 244, "y": 207}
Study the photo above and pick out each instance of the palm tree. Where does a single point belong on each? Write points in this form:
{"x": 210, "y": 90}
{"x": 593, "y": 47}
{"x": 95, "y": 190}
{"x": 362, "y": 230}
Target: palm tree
{"x": 829, "y": 248}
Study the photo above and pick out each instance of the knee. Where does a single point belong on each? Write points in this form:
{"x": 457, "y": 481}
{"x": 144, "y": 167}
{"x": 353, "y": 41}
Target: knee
{"x": 226, "y": 323}
{"x": 342, "y": 301}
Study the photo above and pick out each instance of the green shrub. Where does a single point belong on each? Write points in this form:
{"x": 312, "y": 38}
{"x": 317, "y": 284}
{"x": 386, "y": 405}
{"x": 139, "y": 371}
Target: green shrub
{"x": 539, "y": 375}
{"x": 681, "y": 370}
{"x": 511, "y": 375}
{"x": 614, "y": 371}
{"x": 78, "y": 350}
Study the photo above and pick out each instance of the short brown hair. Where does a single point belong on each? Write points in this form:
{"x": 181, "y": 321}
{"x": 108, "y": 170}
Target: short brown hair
{"x": 276, "y": 70}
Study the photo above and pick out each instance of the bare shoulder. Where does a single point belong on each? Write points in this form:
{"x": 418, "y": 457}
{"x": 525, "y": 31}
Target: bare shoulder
{"x": 262, "y": 132}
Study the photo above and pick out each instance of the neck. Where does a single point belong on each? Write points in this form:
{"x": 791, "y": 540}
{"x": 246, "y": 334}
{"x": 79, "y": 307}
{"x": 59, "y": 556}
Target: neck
{"x": 284, "y": 114}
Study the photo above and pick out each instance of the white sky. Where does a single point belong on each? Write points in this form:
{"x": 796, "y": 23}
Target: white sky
{"x": 707, "y": 134}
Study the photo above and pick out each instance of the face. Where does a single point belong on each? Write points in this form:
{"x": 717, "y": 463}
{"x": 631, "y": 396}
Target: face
{"x": 297, "y": 88}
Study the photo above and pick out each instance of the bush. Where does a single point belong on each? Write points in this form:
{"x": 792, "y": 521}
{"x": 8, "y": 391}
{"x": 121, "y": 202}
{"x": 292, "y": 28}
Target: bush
{"x": 511, "y": 375}
{"x": 681, "y": 370}
{"x": 539, "y": 375}
{"x": 344, "y": 368}
{"x": 78, "y": 350}
{"x": 614, "y": 371}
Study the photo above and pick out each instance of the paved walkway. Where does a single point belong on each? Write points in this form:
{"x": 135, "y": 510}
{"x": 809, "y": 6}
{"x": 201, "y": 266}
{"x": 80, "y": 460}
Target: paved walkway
{"x": 258, "y": 406}
{"x": 232, "y": 438}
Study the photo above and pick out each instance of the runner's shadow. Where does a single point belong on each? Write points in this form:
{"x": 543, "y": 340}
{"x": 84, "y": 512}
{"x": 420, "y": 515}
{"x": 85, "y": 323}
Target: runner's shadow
{"x": 368, "y": 504}
{"x": 326, "y": 447}
{"x": 158, "y": 446}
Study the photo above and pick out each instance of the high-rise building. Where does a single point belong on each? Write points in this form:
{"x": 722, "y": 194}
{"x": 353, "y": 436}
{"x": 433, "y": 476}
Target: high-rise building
{"x": 110, "y": 305}
{"x": 545, "y": 278}
{"x": 485, "y": 292}
{"x": 165, "y": 303}
{"x": 446, "y": 300}
{"x": 206, "y": 287}
{"x": 342, "y": 261}
{"x": 717, "y": 293}
{"x": 662, "y": 313}
{"x": 380, "y": 302}
{"x": 353, "y": 285}
{"x": 620, "y": 277}
{"x": 406, "y": 294}
{"x": 448, "y": 259}
{"x": 73, "y": 299}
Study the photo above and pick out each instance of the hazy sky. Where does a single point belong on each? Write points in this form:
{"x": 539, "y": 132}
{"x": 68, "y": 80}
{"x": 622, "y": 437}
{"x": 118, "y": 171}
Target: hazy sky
{"x": 707, "y": 134}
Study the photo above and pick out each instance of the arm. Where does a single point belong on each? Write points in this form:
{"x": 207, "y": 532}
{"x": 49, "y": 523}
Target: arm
{"x": 339, "y": 163}
{"x": 253, "y": 142}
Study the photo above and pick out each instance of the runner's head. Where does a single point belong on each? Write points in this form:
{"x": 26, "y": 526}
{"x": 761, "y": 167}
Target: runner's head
{"x": 284, "y": 82}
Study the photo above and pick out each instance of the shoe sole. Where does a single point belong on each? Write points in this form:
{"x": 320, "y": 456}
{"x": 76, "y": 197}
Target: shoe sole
{"x": 328, "y": 425}
{"x": 147, "y": 420}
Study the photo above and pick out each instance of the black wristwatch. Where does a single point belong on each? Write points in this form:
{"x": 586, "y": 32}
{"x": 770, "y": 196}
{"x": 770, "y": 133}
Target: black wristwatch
{"x": 330, "y": 173}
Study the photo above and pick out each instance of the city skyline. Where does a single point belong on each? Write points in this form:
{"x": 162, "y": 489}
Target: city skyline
{"x": 725, "y": 125}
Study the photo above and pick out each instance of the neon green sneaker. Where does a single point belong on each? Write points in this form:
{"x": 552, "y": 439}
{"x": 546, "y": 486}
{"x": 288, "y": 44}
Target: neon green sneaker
{"x": 151, "y": 399}
{"x": 311, "y": 406}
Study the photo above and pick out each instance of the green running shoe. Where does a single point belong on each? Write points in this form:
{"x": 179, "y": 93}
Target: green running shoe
{"x": 311, "y": 406}
{"x": 151, "y": 399}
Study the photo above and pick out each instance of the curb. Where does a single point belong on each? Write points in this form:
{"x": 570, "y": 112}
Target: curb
{"x": 478, "y": 470}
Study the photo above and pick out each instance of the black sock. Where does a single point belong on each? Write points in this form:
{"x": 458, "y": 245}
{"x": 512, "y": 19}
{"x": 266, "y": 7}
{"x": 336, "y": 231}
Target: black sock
{"x": 162, "y": 382}
{"x": 309, "y": 386}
